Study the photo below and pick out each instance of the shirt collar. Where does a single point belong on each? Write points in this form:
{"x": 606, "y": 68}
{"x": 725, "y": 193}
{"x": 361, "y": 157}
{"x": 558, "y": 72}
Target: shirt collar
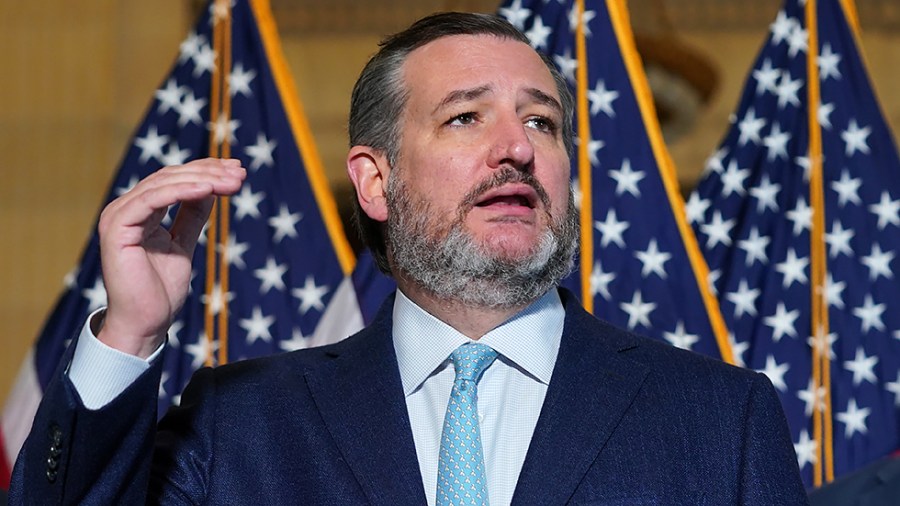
{"x": 529, "y": 339}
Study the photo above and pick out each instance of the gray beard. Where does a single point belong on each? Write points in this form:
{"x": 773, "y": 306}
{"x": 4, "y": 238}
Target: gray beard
{"x": 446, "y": 260}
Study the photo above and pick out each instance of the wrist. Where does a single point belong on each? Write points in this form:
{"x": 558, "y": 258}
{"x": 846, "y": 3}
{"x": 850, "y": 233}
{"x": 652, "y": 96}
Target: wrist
{"x": 124, "y": 340}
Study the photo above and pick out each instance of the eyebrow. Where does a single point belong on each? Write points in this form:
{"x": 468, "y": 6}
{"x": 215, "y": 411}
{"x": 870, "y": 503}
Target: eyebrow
{"x": 545, "y": 99}
{"x": 466, "y": 95}
{"x": 470, "y": 94}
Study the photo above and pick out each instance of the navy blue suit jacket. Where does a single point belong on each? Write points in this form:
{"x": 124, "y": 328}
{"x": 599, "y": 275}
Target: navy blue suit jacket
{"x": 877, "y": 484}
{"x": 626, "y": 420}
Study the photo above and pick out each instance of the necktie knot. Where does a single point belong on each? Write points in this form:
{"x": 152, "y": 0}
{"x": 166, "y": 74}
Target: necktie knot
{"x": 471, "y": 359}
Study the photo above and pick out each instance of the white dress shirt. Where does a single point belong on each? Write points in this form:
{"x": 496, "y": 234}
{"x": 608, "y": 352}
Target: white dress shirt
{"x": 510, "y": 393}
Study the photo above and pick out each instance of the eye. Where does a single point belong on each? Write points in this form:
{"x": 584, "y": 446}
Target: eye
{"x": 541, "y": 124}
{"x": 466, "y": 118}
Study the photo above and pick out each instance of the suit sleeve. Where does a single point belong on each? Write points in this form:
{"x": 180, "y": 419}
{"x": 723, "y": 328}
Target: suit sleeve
{"x": 74, "y": 455}
{"x": 769, "y": 472}
{"x": 184, "y": 446}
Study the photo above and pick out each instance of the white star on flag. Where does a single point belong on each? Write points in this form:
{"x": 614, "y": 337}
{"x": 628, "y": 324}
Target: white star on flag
{"x": 870, "y": 314}
{"x": 776, "y": 143}
{"x": 600, "y": 281}
{"x": 538, "y": 34}
{"x": 189, "y": 110}
{"x": 695, "y": 208}
{"x": 151, "y": 145}
{"x": 224, "y": 128}
{"x": 257, "y": 326}
{"x": 200, "y": 350}
{"x": 782, "y": 27}
{"x": 862, "y": 367}
{"x": 239, "y": 80}
{"x": 744, "y": 300}
{"x": 611, "y": 229}
{"x": 855, "y": 138}
{"x": 627, "y": 180}
{"x": 766, "y": 79}
{"x": 766, "y": 194}
{"x": 96, "y": 295}
{"x": 800, "y": 216}
{"x": 284, "y": 223}
{"x": 246, "y": 203}
{"x": 638, "y": 311}
{"x": 887, "y": 210}
{"x": 169, "y": 97}
{"x": 879, "y": 263}
{"x": 515, "y": 14}
{"x": 204, "y": 60}
{"x": 854, "y": 419}
{"x": 793, "y": 269}
{"x": 755, "y": 247}
{"x": 680, "y": 338}
{"x": 806, "y": 450}
{"x": 776, "y": 372}
{"x": 787, "y": 90}
{"x": 828, "y": 63}
{"x": 847, "y": 189}
{"x": 733, "y": 179}
{"x": 296, "y": 342}
{"x": 718, "y": 230}
{"x": 782, "y": 322}
{"x": 601, "y": 99}
{"x": 271, "y": 276}
{"x": 217, "y": 299}
{"x": 261, "y": 152}
{"x": 653, "y": 260}
{"x": 190, "y": 46}
{"x": 839, "y": 240}
{"x": 310, "y": 295}
{"x": 234, "y": 251}
{"x": 750, "y": 127}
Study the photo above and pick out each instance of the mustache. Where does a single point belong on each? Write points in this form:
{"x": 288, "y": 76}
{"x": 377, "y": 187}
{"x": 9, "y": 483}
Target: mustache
{"x": 501, "y": 177}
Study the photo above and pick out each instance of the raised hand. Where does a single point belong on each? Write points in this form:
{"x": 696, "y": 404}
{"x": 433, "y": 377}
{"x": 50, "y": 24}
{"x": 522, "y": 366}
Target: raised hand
{"x": 146, "y": 268}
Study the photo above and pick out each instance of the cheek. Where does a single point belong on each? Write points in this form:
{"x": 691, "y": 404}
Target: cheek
{"x": 557, "y": 184}
{"x": 445, "y": 179}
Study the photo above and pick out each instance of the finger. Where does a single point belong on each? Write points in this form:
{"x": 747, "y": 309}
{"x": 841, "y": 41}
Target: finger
{"x": 145, "y": 210}
{"x": 189, "y": 222}
{"x": 161, "y": 189}
{"x": 210, "y": 173}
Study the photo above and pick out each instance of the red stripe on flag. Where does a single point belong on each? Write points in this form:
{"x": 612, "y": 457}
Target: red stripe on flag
{"x": 5, "y": 467}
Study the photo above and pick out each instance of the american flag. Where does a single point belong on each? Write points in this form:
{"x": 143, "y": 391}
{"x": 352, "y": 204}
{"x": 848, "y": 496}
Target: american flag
{"x": 754, "y": 212}
{"x": 639, "y": 275}
{"x": 286, "y": 251}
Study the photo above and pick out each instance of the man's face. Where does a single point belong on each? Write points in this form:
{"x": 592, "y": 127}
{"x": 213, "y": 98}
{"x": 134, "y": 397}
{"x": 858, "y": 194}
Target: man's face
{"x": 482, "y": 163}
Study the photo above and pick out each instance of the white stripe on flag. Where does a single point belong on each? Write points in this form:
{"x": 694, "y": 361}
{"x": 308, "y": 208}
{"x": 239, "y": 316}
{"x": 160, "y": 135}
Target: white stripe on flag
{"x": 18, "y": 414}
{"x": 342, "y": 317}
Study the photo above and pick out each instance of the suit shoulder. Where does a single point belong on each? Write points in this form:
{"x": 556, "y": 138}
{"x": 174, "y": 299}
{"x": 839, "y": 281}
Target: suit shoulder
{"x": 291, "y": 362}
{"x": 663, "y": 359}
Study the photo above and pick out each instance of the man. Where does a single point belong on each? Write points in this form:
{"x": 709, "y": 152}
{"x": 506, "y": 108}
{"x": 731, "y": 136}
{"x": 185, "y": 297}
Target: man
{"x": 460, "y": 138}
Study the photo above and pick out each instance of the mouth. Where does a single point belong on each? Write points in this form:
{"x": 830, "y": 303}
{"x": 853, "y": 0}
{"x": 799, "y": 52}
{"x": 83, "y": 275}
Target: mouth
{"x": 517, "y": 195}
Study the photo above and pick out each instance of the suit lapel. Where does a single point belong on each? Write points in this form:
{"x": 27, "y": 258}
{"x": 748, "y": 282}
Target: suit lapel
{"x": 360, "y": 397}
{"x": 591, "y": 389}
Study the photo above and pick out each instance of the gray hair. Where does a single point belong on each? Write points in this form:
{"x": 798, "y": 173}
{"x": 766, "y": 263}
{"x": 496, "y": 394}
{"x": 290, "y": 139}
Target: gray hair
{"x": 380, "y": 95}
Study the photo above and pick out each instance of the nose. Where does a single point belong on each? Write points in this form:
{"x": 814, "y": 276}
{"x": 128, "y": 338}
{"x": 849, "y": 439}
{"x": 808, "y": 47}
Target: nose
{"x": 511, "y": 146}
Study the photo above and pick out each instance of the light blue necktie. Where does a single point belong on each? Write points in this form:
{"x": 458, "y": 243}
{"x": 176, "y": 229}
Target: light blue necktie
{"x": 461, "y": 477}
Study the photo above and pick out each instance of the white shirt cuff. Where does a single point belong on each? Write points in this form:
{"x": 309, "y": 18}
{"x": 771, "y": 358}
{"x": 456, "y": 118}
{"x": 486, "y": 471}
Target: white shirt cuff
{"x": 100, "y": 373}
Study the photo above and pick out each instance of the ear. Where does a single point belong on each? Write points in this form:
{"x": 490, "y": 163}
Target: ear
{"x": 369, "y": 170}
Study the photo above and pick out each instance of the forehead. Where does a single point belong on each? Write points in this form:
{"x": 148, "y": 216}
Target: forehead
{"x": 471, "y": 61}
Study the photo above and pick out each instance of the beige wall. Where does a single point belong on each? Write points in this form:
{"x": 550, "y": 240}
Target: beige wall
{"x": 78, "y": 75}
